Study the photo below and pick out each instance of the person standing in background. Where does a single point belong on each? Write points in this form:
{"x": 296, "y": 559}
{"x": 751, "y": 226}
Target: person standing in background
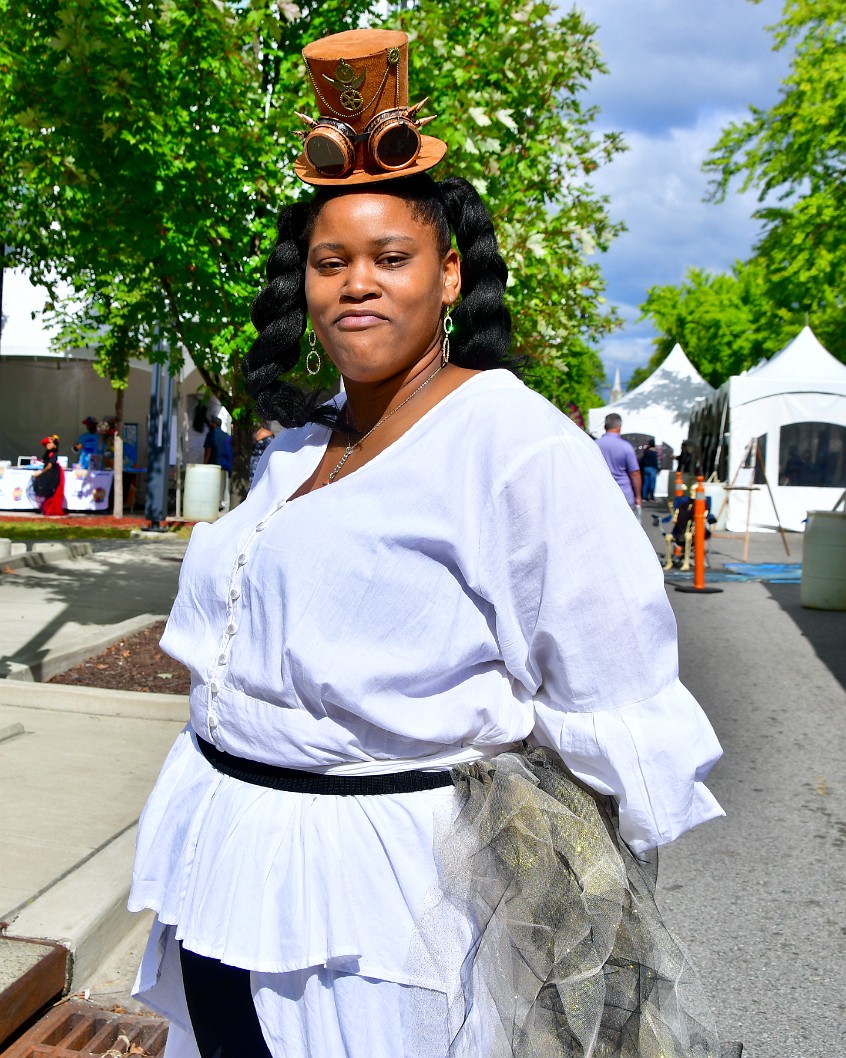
{"x": 218, "y": 451}
{"x": 213, "y": 444}
{"x": 649, "y": 470}
{"x": 48, "y": 484}
{"x": 685, "y": 464}
{"x": 621, "y": 460}
{"x": 88, "y": 444}
{"x": 261, "y": 440}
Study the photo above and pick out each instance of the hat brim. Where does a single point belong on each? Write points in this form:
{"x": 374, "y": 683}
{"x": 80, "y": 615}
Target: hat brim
{"x": 432, "y": 151}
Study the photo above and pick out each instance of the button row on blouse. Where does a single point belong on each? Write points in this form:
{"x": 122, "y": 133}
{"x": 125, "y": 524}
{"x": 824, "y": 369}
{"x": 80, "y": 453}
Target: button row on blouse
{"x": 232, "y": 627}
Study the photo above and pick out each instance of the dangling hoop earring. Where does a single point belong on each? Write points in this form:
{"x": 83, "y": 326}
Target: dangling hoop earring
{"x": 312, "y": 367}
{"x": 449, "y": 327}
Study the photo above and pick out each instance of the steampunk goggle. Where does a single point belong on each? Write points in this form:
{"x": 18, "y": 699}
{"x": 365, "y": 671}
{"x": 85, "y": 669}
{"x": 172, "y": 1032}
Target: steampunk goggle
{"x": 391, "y": 139}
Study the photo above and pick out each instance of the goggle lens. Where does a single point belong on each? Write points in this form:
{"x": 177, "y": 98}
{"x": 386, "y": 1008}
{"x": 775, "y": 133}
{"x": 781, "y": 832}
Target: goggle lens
{"x": 397, "y": 146}
{"x": 326, "y": 155}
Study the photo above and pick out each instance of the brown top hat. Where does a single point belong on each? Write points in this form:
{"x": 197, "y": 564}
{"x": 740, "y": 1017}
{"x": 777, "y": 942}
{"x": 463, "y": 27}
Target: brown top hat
{"x": 366, "y": 131}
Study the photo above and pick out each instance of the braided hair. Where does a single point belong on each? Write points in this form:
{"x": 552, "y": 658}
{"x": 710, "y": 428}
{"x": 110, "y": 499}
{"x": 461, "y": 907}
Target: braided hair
{"x": 482, "y": 336}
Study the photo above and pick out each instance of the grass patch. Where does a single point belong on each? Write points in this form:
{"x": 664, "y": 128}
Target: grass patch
{"x": 18, "y": 531}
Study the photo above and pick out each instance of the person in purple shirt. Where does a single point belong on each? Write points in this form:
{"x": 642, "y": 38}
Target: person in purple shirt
{"x": 621, "y": 460}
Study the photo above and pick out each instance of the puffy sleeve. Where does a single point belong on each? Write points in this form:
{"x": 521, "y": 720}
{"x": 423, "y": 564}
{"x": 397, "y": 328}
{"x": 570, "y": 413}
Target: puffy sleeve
{"x": 584, "y": 623}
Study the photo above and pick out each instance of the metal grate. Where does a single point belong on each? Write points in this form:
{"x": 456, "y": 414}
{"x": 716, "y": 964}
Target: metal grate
{"x": 79, "y": 1030}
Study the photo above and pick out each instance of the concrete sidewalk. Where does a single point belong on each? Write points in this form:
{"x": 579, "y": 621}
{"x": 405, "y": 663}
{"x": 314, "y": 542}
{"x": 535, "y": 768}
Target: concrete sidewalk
{"x": 74, "y": 776}
{"x": 76, "y": 763}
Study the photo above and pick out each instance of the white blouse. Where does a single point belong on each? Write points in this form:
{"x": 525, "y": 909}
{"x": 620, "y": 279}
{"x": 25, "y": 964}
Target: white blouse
{"x": 480, "y": 581}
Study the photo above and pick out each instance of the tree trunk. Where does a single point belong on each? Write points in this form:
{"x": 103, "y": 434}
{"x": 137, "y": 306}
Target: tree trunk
{"x": 242, "y": 446}
{"x": 117, "y": 485}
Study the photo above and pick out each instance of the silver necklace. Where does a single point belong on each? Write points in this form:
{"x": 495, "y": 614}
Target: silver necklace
{"x": 351, "y": 446}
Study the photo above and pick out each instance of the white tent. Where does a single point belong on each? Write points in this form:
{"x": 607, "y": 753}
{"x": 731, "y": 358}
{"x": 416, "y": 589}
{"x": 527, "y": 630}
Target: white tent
{"x": 660, "y": 406}
{"x": 794, "y": 407}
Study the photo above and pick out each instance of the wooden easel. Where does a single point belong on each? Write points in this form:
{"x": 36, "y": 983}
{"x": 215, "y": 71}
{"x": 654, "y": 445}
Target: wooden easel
{"x": 753, "y": 455}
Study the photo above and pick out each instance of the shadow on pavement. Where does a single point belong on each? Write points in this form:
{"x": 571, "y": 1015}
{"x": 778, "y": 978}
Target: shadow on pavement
{"x": 86, "y": 593}
{"x": 825, "y": 630}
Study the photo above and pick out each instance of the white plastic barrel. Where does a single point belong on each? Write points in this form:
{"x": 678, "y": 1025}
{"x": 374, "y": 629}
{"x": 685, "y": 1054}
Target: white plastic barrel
{"x": 201, "y": 497}
{"x": 719, "y": 503}
{"x": 824, "y": 561}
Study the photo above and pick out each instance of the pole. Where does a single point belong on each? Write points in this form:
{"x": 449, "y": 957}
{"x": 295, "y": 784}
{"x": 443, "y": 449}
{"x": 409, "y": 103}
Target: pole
{"x": 154, "y": 506}
{"x": 167, "y": 423}
{"x": 715, "y": 476}
{"x": 699, "y": 536}
{"x": 180, "y": 449}
{"x": 699, "y": 526}
{"x": 772, "y": 498}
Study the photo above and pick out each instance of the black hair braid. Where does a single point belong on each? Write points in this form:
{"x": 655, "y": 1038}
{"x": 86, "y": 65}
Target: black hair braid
{"x": 482, "y": 321}
{"x": 279, "y": 315}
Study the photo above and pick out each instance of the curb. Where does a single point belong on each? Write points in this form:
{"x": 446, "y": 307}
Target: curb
{"x": 94, "y": 701}
{"x": 54, "y": 664}
{"x": 84, "y": 908}
{"x": 47, "y": 554}
{"x": 82, "y": 914}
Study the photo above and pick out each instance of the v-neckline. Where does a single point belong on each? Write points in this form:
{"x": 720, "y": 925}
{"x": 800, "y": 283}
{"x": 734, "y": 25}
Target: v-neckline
{"x": 392, "y": 447}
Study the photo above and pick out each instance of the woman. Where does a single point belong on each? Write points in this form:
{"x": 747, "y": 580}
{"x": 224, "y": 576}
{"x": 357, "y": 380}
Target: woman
{"x": 351, "y": 850}
{"x": 48, "y": 484}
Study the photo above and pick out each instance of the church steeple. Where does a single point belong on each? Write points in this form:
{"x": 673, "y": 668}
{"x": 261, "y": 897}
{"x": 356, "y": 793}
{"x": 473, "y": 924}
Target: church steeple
{"x": 617, "y": 389}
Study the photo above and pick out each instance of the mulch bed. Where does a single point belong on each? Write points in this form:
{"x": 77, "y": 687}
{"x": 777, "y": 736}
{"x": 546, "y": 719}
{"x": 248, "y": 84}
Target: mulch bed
{"x": 132, "y": 664}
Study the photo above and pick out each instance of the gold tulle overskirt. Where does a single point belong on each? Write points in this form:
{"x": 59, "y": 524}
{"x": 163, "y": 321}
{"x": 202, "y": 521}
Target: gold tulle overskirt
{"x": 564, "y": 952}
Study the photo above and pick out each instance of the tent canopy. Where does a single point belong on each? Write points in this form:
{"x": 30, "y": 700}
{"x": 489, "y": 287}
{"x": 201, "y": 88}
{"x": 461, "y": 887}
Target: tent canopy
{"x": 802, "y": 366}
{"x": 660, "y": 406}
{"x": 788, "y": 413}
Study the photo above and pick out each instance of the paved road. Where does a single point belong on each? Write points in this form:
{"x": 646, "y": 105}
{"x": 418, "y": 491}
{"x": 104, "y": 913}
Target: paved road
{"x": 760, "y": 897}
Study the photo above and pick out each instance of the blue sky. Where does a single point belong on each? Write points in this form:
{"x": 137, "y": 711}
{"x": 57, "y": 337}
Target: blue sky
{"x": 680, "y": 71}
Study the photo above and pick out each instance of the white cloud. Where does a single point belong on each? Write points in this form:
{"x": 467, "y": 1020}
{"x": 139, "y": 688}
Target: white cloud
{"x": 670, "y": 58}
{"x": 657, "y": 189}
{"x": 680, "y": 71}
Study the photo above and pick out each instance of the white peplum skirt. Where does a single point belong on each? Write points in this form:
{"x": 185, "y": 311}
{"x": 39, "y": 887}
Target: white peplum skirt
{"x": 318, "y": 895}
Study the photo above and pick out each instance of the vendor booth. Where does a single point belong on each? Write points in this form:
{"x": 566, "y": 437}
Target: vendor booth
{"x": 85, "y": 490}
{"x": 56, "y": 390}
{"x": 782, "y": 424}
{"x": 659, "y": 407}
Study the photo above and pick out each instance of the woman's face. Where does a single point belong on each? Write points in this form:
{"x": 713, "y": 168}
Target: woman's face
{"x": 376, "y": 285}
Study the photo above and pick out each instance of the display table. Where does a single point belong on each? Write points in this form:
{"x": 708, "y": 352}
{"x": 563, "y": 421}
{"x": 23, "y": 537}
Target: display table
{"x": 85, "y": 490}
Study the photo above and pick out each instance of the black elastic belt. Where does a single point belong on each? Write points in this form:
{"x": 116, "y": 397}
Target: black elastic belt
{"x": 295, "y": 781}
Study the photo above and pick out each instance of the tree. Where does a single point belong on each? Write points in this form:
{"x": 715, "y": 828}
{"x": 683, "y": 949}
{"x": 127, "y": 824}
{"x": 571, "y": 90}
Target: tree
{"x": 506, "y": 80}
{"x": 145, "y": 148}
{"x": 725, "y": 322}
{"x": 142, "y": 152}
{"x": 793, "y": 155}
